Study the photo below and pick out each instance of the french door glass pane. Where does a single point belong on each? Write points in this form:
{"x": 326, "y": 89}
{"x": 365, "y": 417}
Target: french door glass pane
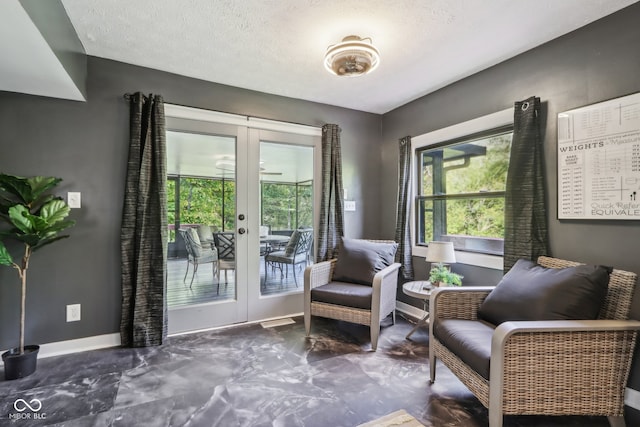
{"x": 201, "y": 194}
{"x": 286, "y": 216}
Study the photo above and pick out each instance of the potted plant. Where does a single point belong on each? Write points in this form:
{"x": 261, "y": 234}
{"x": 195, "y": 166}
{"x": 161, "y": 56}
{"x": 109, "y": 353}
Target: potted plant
{"x": 34, "y": 218}
{"x": 440, "y": 275}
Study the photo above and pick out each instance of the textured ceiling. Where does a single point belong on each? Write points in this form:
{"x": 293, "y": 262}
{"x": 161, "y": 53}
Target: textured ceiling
{"x": 277, "y": 46}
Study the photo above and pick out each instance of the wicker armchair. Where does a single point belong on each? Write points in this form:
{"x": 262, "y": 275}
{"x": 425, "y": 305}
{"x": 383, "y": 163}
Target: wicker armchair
{"x": 560, "y": 367}
{"x": 383, "y": 299}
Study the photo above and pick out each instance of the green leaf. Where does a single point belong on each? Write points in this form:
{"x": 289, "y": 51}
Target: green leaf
{"x": 40, "y": 184}
{"x": 59, "y": 226}
{"x": 16, "y": 186}
{"x": 5, "y": 256}
{"x": 6, "y": 203}
{"x": 29, "y": 239}
{"x": 54, "y": 211}
{"x": 41, "y": 201}
{"x": 38, "y": 225}
{"x": 19, "y": 216}
{"x": 46, "y": 242}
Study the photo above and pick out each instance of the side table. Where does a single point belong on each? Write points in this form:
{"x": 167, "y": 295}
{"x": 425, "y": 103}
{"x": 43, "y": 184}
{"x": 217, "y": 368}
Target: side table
{"x": 420, "y": 289}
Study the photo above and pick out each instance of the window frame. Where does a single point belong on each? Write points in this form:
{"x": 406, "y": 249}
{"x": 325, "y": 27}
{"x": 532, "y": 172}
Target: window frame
{"x": 446, "y": 136}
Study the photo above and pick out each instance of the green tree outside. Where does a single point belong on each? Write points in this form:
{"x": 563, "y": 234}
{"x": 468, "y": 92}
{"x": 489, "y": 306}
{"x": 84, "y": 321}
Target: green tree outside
{"x": 475, "y": 215}
{"x": 212, "y": 202}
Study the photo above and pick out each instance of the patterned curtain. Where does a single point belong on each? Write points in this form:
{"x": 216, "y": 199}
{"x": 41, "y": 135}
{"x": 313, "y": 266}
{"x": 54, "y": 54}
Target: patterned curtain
{"x": 403, "y": 210}
{"x": 525, "y": 234}
{"x": 331, "y": 205}
{"x": 143, "y": 235}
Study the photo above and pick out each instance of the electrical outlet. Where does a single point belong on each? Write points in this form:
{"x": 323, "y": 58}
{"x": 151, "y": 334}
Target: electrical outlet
{"x": 349, "y": 205}
{"x": 73, "y": 312}
{"x": 73, "y": 199}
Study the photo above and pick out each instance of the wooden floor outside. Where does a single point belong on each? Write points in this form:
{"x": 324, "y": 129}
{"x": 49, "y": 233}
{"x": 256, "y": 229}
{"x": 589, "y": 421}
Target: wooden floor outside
{"x": 206, "y": 288}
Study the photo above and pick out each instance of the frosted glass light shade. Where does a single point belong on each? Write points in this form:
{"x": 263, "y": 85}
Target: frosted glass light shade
{"x": 441, "y": 252}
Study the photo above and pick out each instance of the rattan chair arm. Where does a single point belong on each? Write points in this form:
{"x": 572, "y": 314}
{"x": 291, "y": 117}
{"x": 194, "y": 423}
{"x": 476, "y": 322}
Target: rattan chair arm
{"x": 559, "y": 358}
{"x": 318, "y": 274}
{"x": 385, "y": 284}
{"x": 457, "y": 302}
{"x": 542, "y": 331}
{"x": 386, "y": 273}
{"x": 506, "y": 329}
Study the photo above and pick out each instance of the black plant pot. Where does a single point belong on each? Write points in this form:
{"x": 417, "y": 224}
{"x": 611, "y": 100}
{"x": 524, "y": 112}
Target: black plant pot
{"x": 18, "y": 365}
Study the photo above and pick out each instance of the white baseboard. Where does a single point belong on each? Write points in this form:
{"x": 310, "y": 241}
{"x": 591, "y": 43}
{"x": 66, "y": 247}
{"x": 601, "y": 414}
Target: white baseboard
{"x": 412, "y": 311}
{"x": 78, "y": 345}
{"x": 113, "y": 340}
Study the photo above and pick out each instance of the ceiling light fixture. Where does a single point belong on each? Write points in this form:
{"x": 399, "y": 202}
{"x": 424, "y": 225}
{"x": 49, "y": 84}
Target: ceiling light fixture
{"x": 353, "y": 56}
{"x": 226, "y": 164}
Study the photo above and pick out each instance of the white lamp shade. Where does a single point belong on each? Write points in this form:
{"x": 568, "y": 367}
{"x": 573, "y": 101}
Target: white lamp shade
{"x": 441, "y": 252}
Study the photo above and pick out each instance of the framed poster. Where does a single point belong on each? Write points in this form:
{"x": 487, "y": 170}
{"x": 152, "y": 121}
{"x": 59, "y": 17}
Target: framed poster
{"x": 599, "y": 160}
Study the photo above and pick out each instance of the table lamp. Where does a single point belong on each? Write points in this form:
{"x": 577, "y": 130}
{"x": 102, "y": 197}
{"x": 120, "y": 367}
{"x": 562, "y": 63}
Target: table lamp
{"x": 441, "y": 253}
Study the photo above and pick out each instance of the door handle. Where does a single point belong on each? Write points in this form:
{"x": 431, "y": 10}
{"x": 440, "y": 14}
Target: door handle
{"x": 241, "y": 230}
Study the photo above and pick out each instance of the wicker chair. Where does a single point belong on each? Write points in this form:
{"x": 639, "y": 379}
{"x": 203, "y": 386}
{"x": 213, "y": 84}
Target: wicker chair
{"x": 383, "y": 299}
{"x": 561, "y": 367}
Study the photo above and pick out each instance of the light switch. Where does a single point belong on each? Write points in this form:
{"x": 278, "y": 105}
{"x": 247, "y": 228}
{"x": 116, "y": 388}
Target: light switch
{"x": 350, "y": 205}
{"x": 73, "y": 199}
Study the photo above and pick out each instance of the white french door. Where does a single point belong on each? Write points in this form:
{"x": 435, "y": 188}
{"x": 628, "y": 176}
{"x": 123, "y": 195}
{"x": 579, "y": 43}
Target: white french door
{"x": 237, "y": 176}
{"x": 291, "y": 162}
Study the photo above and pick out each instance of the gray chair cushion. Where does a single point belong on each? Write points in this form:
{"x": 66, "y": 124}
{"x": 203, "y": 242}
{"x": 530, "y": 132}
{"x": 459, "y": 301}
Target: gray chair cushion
{"x": 281, "y": 256}
{"x": 532, "y": 292}
{"x": 196, "y": 245}
{"x": 344, "y": 294}
{"x": 470, "y": 340}
{"x": 359, "y": 260}
{"x": 291, "y": 244}
{"x": 205, "y": 234}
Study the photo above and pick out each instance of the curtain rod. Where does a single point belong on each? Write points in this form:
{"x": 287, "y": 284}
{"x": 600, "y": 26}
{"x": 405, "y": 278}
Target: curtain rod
{"x": 128, "y": 96}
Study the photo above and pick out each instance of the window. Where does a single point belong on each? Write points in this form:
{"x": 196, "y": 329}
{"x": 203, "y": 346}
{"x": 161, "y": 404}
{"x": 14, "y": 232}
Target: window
{"x": 461, "y": 189}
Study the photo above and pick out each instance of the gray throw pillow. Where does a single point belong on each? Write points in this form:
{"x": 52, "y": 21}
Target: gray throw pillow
{"x": 360, "y": 260}
{"x": 205, "y": 234}
{"x": 532, "y": 292}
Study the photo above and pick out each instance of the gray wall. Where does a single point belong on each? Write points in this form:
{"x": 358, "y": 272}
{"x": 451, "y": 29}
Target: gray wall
{"x": 86, "y": 145}
{"x": 598, "y": 62}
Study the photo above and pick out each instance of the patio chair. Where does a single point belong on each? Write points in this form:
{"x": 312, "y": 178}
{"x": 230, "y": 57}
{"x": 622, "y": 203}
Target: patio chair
{"x": 296, "y": 253}
{"x": 226, "y": 246}
{"x": 197, "y": 253}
